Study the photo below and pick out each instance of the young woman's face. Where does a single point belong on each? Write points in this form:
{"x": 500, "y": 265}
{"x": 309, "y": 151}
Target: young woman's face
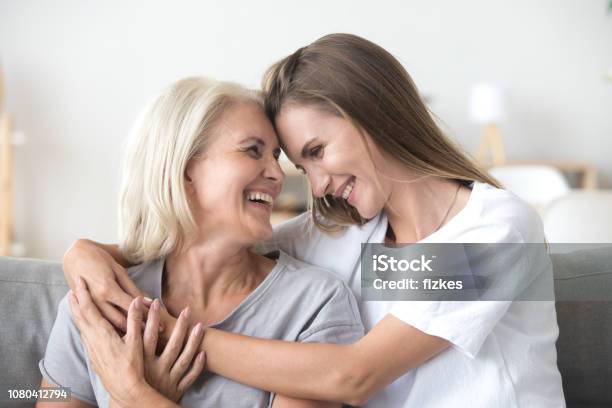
{"x": 234, "y": 183}
{"x": 333, "y": 154}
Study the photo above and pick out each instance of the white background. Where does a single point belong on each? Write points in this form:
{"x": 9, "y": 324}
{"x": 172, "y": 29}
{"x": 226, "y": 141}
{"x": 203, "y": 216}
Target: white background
{"x": 77, "y": 72}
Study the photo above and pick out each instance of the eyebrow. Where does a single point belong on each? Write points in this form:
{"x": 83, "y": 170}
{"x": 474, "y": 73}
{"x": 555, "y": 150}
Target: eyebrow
{"x": 254, "y": 139}
{"x": 306, "y": 147}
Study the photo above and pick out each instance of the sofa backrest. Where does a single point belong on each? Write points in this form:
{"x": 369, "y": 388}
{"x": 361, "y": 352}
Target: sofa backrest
{"x": 30, "y": 291}
{"x": 584, "y": 347}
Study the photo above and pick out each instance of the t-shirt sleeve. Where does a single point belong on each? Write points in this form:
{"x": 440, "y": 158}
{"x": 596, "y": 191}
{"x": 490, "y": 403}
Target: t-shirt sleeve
{"x": 510, "y": 265}
{"x": 337, "y": 319}
{"x": 465, "y": 324}
{"x": 65, "y": 361}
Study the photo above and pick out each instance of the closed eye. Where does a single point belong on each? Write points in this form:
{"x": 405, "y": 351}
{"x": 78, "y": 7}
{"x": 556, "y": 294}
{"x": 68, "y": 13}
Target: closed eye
{"x": 315, "y": 152}
{"x": 253, "y": 150}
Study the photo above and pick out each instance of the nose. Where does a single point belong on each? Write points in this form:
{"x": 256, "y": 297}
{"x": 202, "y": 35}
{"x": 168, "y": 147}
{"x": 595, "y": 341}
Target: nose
{"x": 273, "y": 172}
{"x": 319, "y": 183}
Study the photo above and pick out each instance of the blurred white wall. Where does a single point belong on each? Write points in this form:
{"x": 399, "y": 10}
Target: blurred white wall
{"x": 78, "y": 71}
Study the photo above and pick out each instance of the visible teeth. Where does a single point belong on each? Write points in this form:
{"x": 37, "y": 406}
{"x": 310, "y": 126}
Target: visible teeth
{"x": 348, "y": 189}
{"x": 256, "y": 196}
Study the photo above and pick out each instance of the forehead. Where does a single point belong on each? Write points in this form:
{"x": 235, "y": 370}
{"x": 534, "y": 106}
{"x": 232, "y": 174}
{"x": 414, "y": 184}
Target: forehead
{"x": 298, "y": 124}
{"x": 240, "y": 121}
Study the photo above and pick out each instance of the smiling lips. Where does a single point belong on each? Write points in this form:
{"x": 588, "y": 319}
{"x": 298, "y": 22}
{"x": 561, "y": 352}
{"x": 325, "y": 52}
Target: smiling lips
{"x": 345, "y": 190}
{"x": 258, "y": 197}
{"x": 348, "y": 189}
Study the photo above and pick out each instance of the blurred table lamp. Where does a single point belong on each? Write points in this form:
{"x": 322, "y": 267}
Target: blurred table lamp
{"x": 486, "y": 108}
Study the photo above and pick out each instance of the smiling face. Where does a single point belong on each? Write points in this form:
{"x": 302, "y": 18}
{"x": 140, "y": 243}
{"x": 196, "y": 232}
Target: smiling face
{"x": 233, "y": 183}
{"x": 334, "y": 156}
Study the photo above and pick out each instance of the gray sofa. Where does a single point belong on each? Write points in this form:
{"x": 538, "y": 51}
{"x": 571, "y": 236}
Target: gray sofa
{"x": 31, "y": 289}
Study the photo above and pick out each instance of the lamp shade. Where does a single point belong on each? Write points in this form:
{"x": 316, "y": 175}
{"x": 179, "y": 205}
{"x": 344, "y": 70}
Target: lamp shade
{"x": 486, "y": 103}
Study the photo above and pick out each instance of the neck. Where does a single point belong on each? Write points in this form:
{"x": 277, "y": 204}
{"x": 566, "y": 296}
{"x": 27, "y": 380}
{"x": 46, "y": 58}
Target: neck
{"x": 417, "y": 209}
{"x": 211, "y": 269}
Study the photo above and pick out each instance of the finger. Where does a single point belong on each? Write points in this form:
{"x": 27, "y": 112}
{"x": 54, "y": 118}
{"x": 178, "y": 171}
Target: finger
{"x": 115, "y": 294}
{"x": 89, "y": 311}
{"x": 186, "y": 357}
{"x": 194, "y": 372}
{"x": 110, "y": 313}
{"x": 126, "y": 283}
{"x": 151, "y": 330}
{"x": 134, "y": 324}
{"x": 177, "y": 338}
{"x": 76, "y": 311}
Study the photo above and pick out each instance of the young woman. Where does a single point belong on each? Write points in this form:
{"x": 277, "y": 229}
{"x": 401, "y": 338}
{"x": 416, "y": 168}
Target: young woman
{"x": 191, "y": 232}
{"x": 349, "y": 116}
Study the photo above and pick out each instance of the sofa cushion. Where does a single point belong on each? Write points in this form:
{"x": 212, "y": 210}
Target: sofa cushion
{"x": 30, "y": 291}
{"x": 584, "y": 347}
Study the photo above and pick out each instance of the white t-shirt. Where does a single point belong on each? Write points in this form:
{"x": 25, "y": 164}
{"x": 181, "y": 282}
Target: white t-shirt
{"x": 502, "y": 354}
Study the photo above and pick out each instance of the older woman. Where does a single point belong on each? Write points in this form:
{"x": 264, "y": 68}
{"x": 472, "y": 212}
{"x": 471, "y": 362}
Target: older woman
{"x": 200, "y": 178}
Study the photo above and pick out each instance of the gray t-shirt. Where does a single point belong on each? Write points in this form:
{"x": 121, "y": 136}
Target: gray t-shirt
{"x": 295, "y": 302}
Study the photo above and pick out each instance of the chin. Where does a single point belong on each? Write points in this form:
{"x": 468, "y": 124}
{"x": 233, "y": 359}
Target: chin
{"x": 262, "y": 232}
{"x": 369, "y": 211}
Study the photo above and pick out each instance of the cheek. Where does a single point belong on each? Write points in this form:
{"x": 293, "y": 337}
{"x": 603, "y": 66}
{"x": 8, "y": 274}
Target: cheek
{"x": 218, "y": 187}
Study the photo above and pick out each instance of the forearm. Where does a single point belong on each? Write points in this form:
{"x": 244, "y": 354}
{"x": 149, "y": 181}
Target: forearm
{"x": 300, "y": 370}
{"x": 147, "y": 397}
{"x": 152, "y": 398}
{"x": 328, "y": 372}
{"x": 111, "y": 249}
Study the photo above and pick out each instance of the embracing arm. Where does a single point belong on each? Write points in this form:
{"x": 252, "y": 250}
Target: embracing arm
{"x": 103, "y": 268}
{"x": 332, "y": 372}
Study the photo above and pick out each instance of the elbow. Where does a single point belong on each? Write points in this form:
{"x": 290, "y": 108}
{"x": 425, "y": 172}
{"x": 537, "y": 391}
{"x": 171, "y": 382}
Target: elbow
{"x": 354, "y": 383}
{"x": 78, "y": 247}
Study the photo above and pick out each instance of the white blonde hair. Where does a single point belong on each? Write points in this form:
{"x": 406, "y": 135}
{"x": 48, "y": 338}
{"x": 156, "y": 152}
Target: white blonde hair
{"x": 154, "y": 213}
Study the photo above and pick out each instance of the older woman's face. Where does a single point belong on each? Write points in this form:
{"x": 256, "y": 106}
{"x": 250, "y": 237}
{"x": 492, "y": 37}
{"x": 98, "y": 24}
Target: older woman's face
{"x": 233, "y": 185}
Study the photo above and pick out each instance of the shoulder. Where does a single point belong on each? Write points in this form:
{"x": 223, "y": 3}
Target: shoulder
{"x": 510, "y": 218}
{"x": 327, "y": 307}
{"x": 311, "y": 278}
{"x": 147, "y": 276}
{"x": 300, "y": 238}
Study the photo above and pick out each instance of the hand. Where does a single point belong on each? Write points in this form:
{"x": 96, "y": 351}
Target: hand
{"x": 169, "y": 373}
{"x": 110, "y": 285}
{"x": 119, "y": 362}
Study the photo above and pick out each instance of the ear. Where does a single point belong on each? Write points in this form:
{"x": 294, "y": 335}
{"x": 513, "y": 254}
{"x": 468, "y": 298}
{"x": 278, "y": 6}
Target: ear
{"x": 188, "y": 177}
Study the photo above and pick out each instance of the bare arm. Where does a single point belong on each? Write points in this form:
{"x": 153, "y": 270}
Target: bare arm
{"x": 103, "y": 268}
{"x": 329, "y": 372}
{"x": 72, "y": 403}
{"x": 281, "y": 401}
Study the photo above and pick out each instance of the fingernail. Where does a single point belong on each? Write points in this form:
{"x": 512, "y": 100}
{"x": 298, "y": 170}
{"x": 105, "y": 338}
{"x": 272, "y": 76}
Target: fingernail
{"x": 147, "y": 299}
{"x": 160, "y": 328}
{"x": 201, "y": 355}
{"x": 79, "y": 280}
{"x": 197, "y": 330}
{"x": 137, "y": 303}
{"x": 186, "y": 312}
{"x": 155, "y": 305}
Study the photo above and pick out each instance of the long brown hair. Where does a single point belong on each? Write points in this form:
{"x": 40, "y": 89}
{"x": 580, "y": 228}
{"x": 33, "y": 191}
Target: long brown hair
{"x": 354, "y": 78}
